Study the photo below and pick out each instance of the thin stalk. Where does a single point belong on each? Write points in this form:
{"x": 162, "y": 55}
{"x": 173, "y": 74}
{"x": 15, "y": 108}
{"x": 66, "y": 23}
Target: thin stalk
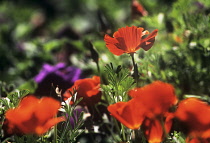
{"x": 123, "y": 132}
{"x": 55, "y": 133}
{"x": 136, "y": 73}
{"x": 98, "y": 68}
{"x": 163, "y": 126}
{"x": 117, "y": 125}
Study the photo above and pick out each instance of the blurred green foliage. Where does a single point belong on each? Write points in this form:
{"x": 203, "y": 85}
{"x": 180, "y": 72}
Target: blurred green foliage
{"x": 42, "y": 31}
{"x": 35, "y": 32}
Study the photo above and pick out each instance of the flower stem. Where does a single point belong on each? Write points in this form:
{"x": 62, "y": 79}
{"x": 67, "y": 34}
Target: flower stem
{"x": 123, "y": 132}
{"x": 55, "y": 133}
{"x": 136, "y": 73}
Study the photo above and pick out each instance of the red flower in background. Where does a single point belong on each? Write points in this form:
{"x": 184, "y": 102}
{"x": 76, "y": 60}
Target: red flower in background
{"x": 32, "y": 116}
{"x": 137, "y": 10}
{"x": 129, "y": 40}
{"x": 194, "y": 115}
{"x": 88, "y": 89}
{"x": 149, "y": 107}
{"x": 197, "y": 140}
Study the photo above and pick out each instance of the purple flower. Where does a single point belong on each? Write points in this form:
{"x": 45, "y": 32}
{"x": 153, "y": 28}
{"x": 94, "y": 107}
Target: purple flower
{"x": 199, "y": 5}
{"x": 59, "y": 75}
{"x": 75, "y": 117}
{"x": 69, "y": 74}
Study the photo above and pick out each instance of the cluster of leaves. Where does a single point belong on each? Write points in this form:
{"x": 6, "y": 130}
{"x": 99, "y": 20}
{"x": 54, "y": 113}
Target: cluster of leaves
{"x": 10, "y": 100}
{"x": 119, "y": 82}
{"x": 69, "y": 132}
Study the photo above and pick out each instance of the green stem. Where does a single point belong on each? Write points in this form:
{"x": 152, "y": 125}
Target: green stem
{"x": 136, "y": 73}
{"x": 116, "y": 125}
{"x": 55, "y": 133}
{"x": 123, "y": 132}
{"x": 163, "y": 126}
{"x": 98, "y": 68}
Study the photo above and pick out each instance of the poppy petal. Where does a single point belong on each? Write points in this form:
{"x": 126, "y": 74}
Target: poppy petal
{"x": 130, "y": 114}
{"x": 194, "y": 114}
{"x": 30, "y": 114}
{"x": 129, "y": 38}
{"x": 87, "y": 88}
{"x": 113, "y": 45}
{"x": 148, "y": 42}
{"x": 42, "y": 111}
{"x": 153, "y": 130}
{"x": 43, "y": 129}
{"x": 157, "y": 97}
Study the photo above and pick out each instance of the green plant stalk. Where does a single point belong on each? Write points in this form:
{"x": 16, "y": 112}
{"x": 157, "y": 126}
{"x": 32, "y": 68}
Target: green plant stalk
{"x": 163, "y": 126}
{"x": 123, "y": 132}
{"x": 55, "y": 133}
{"x": 98, "y": 67}
{"x": 136, "y": 73}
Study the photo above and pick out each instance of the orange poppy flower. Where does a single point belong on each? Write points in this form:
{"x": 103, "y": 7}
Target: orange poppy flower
{"x": 32, "y": 116}
{"x": 88, "y": 89}
{"x": 157, "y": 97}
{"x": 129, "y": 40}
{"x": 194, "y": 115}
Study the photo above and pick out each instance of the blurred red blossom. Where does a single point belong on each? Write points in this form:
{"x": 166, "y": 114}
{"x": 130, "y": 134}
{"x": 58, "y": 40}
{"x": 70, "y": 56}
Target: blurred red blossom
{"x": 88, "y": 89}
{"x": 194, "y": 116}
{"x": 32, "y": 116}
{"x": 129, "y": 40}
{"x": 197, "y": 140}
{"x": 149, "y": 107}
{"x": 137, "y": 10}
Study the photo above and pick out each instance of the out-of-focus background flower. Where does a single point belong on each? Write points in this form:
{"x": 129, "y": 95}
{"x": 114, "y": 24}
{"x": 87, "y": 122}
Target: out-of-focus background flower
{"x": 35, "y": 33}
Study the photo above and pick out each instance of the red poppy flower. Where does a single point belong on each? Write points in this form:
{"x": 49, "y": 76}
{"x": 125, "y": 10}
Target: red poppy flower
{"x": 32, "y": 116}
{"x": 130, "y": 114}
{"x": 137, "y": 10}
{"x": 88, "y": 89}
{"x": 194, "y": 114}
{"x": 148, "y": 108}
{"x": 157, "y": 97}
{"x": 197, "y": 140}
{"x": 129, "y": 40}
{"x": 154, "y": 130}
{"x": 150, "y": 101}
